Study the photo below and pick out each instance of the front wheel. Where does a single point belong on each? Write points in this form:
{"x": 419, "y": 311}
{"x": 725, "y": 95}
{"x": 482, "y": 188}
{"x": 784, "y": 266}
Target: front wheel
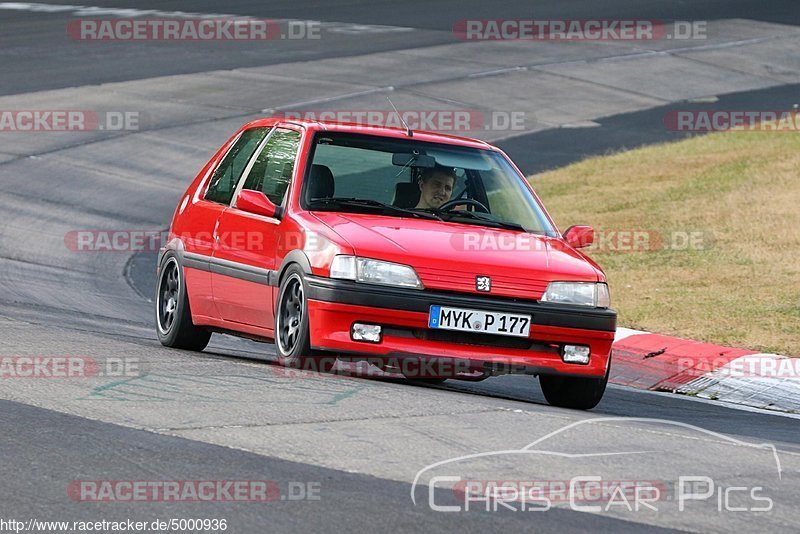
{"x": 173, "y": 315}
{"x": 578, "y": 393}
{"x": 292, "y": 337}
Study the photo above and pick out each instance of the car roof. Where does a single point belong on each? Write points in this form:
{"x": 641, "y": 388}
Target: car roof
{"x": 382, "y": 131}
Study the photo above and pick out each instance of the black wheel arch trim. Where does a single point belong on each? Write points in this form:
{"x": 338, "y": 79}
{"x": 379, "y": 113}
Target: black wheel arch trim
{"x": 298, "y": 257}
{"x": 175, "y": 246}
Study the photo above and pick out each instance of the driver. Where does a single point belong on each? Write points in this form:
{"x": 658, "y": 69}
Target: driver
{"x": 436, "y": 186}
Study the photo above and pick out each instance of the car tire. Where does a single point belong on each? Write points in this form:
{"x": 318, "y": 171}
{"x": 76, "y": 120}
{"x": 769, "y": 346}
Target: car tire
{"x": 173, "y": 315}
{"x": 578, "y": 393}
{"x": 292, "y": 331}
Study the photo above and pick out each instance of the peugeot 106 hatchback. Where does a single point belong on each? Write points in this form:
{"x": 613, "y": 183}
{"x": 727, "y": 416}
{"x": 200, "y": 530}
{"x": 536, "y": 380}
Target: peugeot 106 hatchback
{"x": 424, "y": 254}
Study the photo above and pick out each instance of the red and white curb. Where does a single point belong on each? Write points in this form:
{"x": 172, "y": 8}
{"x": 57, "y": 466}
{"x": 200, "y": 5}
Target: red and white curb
{"x": 665, "y": 363}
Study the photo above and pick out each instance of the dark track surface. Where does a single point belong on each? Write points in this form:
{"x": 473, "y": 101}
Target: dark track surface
{"x": 35, "y": 54}
{"x": 95, "y": 451}
{"x": 541, "y": 151}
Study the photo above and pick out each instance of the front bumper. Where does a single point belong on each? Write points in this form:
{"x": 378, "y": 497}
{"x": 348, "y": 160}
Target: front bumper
{"x": 334, "y": 305}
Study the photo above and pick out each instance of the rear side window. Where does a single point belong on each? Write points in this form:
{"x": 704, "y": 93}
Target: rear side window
{"x": 223, "y": 182}
{"x": 273, "y": 168}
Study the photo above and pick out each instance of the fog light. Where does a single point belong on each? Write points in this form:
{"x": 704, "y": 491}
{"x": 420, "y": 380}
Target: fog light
{"x": 575, "y": 354}
{"x": 368, "y": 333}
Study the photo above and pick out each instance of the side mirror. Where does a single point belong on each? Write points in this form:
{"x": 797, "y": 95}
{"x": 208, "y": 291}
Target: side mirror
{"x": 579, "y": 236}
{"x": 256, "y": 202}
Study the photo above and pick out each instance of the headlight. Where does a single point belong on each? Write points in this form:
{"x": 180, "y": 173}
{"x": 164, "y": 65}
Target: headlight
{"x": 580, "y": 293}
{"x": 374, "y": 272}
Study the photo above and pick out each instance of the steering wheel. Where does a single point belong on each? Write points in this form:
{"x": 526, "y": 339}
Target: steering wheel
{"x": 463, "y": 201}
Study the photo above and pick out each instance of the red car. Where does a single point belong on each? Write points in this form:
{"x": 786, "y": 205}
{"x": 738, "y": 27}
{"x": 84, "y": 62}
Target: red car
{"x": 425, "y": 254}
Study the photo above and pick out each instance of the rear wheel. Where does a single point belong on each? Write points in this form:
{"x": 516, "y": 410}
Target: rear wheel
{"x": 292, "y": 337}
{"x": 573, "y": 392}
{"x": 173, "y": 315}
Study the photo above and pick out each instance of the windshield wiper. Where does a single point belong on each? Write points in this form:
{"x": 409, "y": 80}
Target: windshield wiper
{"x": 484, "y": 218}
{"x": 369, "y": 203}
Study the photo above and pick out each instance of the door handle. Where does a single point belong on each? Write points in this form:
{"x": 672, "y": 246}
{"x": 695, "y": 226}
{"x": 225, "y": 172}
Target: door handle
{"x": 214, "y": 233}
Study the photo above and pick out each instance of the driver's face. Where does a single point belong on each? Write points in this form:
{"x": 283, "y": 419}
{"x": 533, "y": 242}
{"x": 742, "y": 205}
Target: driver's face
{"x": 435, "y": 191}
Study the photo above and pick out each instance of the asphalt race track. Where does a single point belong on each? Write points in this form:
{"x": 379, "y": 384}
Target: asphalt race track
{"x": 344, "y": 451}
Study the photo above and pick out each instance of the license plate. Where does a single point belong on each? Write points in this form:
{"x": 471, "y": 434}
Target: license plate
{"x": 484, "y": 322}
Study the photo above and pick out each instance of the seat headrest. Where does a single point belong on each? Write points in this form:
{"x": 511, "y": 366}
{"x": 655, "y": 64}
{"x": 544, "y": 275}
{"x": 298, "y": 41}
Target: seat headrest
{"x": 320, "y": 182}
{"x": 406, "y": 195}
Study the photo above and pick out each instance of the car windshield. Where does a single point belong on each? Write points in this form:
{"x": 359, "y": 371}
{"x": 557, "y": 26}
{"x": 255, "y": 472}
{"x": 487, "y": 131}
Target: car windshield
{"x": 410, "y": 178}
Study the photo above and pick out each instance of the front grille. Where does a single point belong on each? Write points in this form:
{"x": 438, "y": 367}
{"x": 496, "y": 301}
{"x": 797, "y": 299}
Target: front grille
{"x": 463, "y": 281}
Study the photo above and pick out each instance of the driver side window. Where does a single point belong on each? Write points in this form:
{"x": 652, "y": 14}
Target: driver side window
{"x": 223, "y": 182}
{"x": 273, "y": 168}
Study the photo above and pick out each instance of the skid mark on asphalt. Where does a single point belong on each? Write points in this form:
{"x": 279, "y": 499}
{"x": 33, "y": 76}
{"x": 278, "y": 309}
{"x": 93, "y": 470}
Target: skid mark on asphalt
{"x": 235, "y": 388}
{"x": 344, "y": 395}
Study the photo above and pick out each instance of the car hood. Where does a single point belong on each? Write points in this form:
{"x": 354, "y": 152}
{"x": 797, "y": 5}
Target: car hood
{"x": 449, "y": 256}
